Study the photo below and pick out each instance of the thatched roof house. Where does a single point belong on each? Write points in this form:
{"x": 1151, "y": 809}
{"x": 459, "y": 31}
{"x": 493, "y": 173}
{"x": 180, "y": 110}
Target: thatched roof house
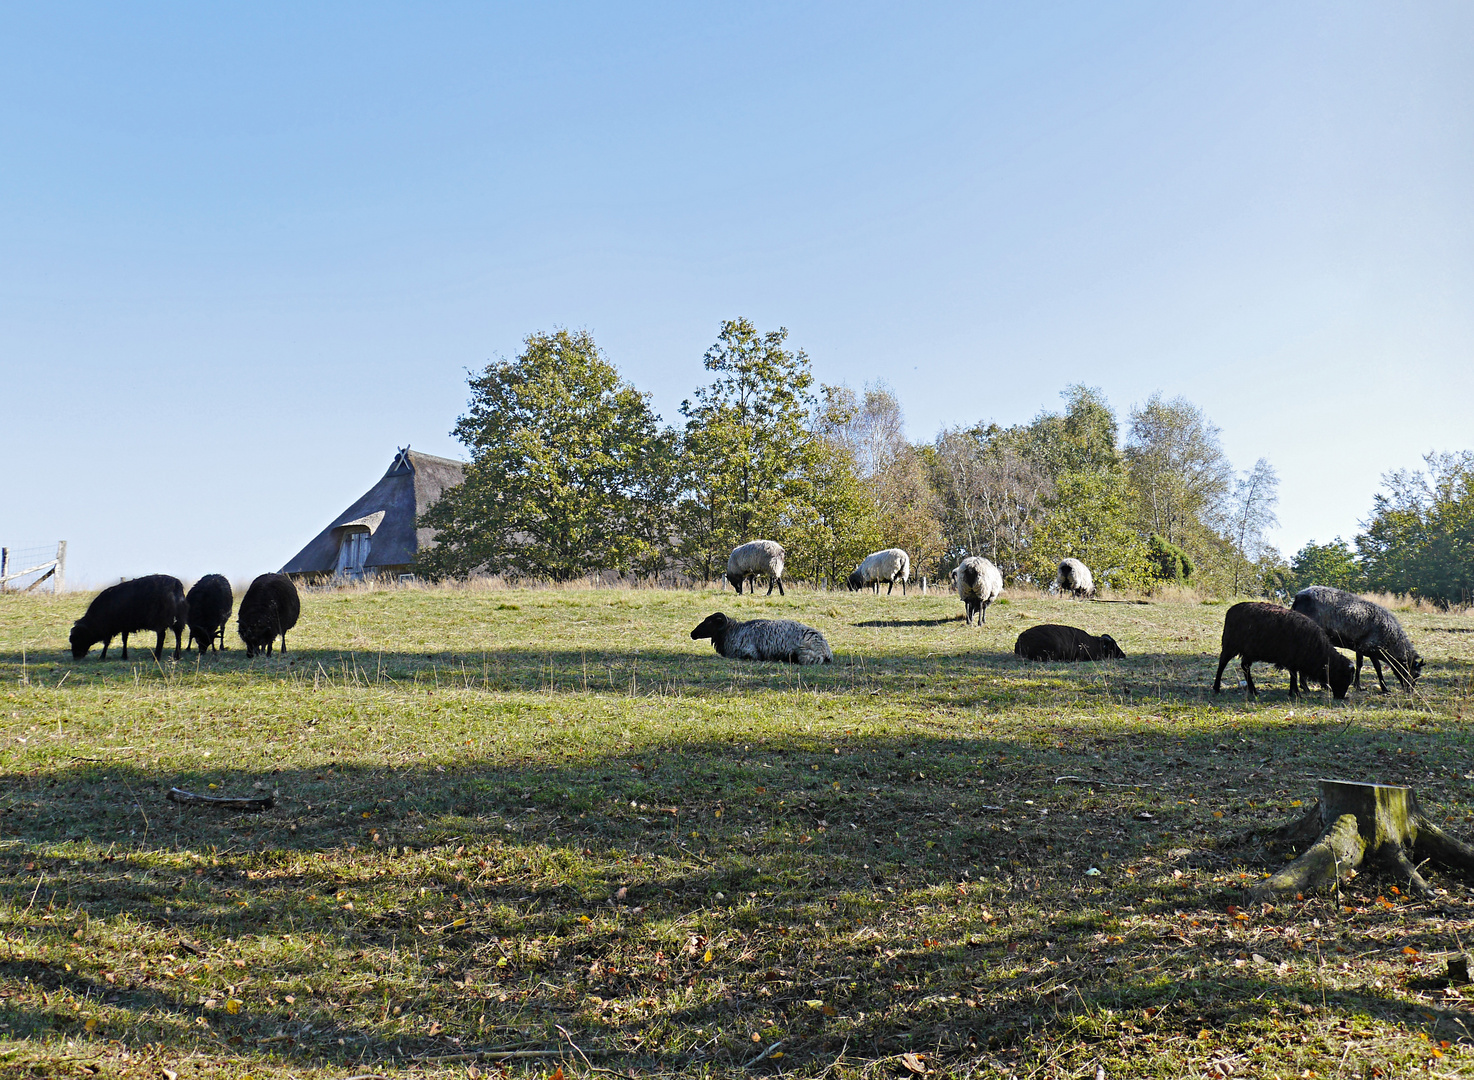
{"x": 377, "y": 534}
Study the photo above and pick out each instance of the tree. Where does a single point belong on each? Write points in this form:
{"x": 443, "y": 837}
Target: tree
{"x": 747, "y": 445}
{"x": 833, "y": 522}
{"x": 1255, "y": 496}
{"x": 993, "y": 497}
{"x": 1420, "y": 537}
{"x": 570, "y": 472}
{"x": 1178, "y": 470}
{"x": 1168, "y": 561}
{"x": 1089, "y": 519}
{"x": 1332, "y": 564}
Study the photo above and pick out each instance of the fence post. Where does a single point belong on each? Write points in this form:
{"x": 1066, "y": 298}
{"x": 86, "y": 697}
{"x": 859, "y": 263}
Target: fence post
{"x": 61, "y": 567}
{"x": 4, "y": 565}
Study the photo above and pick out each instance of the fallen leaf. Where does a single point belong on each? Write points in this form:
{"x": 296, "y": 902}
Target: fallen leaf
{"x": 913, "y": 1063}
{"x": 232, "y": 1006}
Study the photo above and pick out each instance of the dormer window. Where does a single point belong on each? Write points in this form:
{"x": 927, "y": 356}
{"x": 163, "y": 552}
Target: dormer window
{"x": 353, "y": 551}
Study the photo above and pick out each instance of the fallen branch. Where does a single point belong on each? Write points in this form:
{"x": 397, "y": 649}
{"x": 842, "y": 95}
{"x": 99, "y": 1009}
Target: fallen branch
{"x": 189, "y": 798}
{"x": 764, "y": 1054}
{"x": 1101, "y": 783}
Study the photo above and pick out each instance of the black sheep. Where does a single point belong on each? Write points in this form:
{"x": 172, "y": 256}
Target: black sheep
{"x": 1286, "y": 639}
{"x": 270, "y": 608}
{"x": 210, "y": 603}
{"x": 1050, "y": 641}
{"x": 155, "y": 602}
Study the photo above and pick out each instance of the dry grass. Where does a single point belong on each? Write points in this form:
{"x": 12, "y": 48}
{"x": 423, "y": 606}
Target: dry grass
{"x": 546, "y": 822}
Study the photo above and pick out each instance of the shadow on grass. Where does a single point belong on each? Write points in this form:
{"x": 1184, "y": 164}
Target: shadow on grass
{"x": 931, "y": 891}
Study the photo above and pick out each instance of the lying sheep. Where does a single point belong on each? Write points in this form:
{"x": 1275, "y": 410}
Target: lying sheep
{"x": 1366, "y": 628}
{"x": 765, "y": 639}
{"x": 210, "y": 602}
{"x": 155, "y": 602}
{"x": 1051, "y": 641}
{"x": 753, "y": 558}
{"x": 978, "y": 583}
{"x": 1075, "y": 579}
{"x": 270, "y": 608}
{"x": 890, "y": 566}
{"x": 1288, "y": 640}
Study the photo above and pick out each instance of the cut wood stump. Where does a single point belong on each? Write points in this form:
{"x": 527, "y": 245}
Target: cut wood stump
{"x": 1354, "y": 823}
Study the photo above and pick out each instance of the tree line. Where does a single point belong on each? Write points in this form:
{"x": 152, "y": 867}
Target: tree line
{"x": 573, "y": 473}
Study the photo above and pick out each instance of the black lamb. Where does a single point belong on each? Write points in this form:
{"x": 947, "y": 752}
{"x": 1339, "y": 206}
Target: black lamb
{"x": 269, "y": 609}
{"x": 1050, "y": 641}
{"x": 155, "y": 602}
{"x": 1286, "y": 639}
{"x": 210, "y": 604}
{"x": 1368, "y": 629}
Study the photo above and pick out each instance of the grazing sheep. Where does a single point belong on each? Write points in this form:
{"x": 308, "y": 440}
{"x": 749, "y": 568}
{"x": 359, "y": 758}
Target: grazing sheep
{"x": 155, "y": 602}
{"x": 1051, "y": 641}
{"x": 1366, "y": 628}
{"x": 765, "y": 639}
{"x": 270, "y": 607}
{"x": 753, "y": 558}
{"x": 1075, "y": 578}
{"x": 210, "y": 602}
{"x": 978, "y": 584}
{"x": 1288, "y": 640}
{"x": 890, "y": 566}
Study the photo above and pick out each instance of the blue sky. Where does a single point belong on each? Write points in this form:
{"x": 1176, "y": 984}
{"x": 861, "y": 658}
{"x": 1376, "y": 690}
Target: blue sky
{"x": 245, "y": 251}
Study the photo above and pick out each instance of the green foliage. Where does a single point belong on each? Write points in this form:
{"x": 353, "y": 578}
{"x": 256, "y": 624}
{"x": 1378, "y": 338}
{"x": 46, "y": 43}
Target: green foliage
{"x": 834, "y": 521}
{"x": 1088, "y": 520}
{"x": 1168, "y": 561}
{"x": 569, "y": 474}
{"x": 749, "y": 461}
{"x": 1420, "y": 539}
{"x": 1332, "y": 564}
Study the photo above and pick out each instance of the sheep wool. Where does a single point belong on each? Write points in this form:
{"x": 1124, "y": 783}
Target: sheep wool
{"x": 1368, "y": 629}
{"x": 783, "y": 640}
{"x": 890, "y": 566}
{"x": 210, "y": 602}
{"x": 269, "y": 609}
{"x": 1075, "y": 579}
{"x": 754, "y": 558}
{"x": 1288, "y": 640}
{"x": 978, "y": 584}
{"x": 155, "y": 602}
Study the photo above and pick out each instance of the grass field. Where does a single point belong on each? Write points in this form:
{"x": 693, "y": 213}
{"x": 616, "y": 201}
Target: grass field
{"x": 518, "y": 831}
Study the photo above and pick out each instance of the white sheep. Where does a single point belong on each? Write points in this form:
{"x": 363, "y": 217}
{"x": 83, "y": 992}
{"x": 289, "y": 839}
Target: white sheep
{"x": 753, "y": 558}
{"x": 890, "y": 566}
{"x": 765, "y": 639}
{"x": 1074, "y": 578}
{"x": 978, "y": 583}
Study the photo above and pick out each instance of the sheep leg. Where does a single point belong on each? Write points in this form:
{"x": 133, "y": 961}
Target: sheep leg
{"x": 125, "y": 645}
{"x": 1356, "y": 679}
{"x": 1223, "y": 660}
{"x": 1376, "y": 663}
{"x": 159, "y": 645}
{"x": 283, "y": 641}
{"x": 176, "y": 641}
{"x": 780, "y": 587}
{"x": 1253, "y": 691}
{"x": 106, "y": 642}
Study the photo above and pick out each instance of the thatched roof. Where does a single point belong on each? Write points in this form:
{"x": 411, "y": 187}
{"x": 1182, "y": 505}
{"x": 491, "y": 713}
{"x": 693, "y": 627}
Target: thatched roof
{"x": 389, "y": 510}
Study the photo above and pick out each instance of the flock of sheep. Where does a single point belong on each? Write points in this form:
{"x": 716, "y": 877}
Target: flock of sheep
{"x": 1302, "y": 639}
{"x": 159, "y": 603}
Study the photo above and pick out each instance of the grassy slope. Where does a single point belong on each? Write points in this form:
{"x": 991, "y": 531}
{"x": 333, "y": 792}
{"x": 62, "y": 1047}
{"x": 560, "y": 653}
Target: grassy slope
{"x": 515, "y": 819}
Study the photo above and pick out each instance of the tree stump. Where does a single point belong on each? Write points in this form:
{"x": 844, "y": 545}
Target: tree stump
{"x": 1352, "y": 823}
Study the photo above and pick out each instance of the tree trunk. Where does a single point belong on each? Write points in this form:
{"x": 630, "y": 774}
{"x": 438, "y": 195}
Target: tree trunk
{"x": 1352, "y": 823}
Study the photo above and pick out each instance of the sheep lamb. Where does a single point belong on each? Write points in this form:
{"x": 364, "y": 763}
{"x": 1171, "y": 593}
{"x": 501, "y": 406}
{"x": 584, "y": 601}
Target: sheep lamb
{"x": 268, "y": 610}
{"x": 210, "y": 603}
{"x": 1368, "y": 629}
{"x": 1075, "y": 579}
{"x": 155, "y": 602}
{"x": 765, "y": 639}
{"x": 890, "y": 566}
{"x": 978, "y": 584}
{"x": 753, "y": 558}
{"x": 1050, "y": 641}
{"x": 1288, "y": 640}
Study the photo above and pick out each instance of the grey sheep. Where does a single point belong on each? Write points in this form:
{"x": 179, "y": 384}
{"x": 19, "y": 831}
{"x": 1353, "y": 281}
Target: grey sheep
{"x": 890, "y": 566}
{"x": 978, "y": 583}
{"x": 756, "y": 557}
{"x": 1050, "y": 641}
{"x": 1368, "y": 629}
{"x": 1284, "y": 638}
{"x": 765, "y": 639}
{"x": 1075, "y": 578}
